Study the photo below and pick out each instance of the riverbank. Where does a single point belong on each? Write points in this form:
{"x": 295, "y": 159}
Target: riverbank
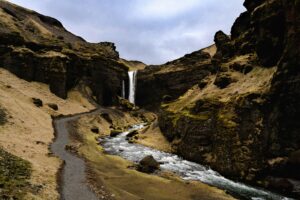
{"x": 28, "y": 130}
{"x": 112, "y": 177}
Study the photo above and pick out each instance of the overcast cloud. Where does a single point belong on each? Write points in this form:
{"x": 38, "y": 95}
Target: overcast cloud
{"x": 153, "y": 31}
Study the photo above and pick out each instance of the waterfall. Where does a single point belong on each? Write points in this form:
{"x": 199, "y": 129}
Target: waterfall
{"x": 132, "y": 86}
{"x": 123, "y": 89}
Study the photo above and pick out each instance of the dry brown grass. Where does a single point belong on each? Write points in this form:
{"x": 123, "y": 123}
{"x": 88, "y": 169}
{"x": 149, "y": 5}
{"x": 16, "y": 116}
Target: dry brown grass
{"x": 257, "y": 81}
{"x": 29, "y": 131}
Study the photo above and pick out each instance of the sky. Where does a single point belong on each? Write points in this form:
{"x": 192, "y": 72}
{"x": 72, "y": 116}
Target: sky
{"x": 152, "y": 31}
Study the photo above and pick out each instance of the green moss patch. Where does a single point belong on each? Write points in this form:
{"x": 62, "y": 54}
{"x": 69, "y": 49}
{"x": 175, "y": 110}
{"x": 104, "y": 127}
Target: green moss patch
{"x": 14, "y": 175}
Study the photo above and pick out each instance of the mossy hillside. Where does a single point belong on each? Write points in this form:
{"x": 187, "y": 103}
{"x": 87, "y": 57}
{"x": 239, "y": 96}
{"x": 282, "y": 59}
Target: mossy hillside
{"x": 14, "y": 175}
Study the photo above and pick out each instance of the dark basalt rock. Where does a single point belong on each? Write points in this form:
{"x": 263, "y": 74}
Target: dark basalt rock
{"x": 95, "y": 130}
{"x": 241, "y": 25}
{"x": 203, "y": 84}
{"x": 53, "y": 106}
{"x": 148, "y": 165}
{"x": 115, "y": 132}
{"x": 171, "y": 78}
{"x": 107, "y": 117}
{"x": 223, "y": 80}
{"x": 225, "y": 49}
{"x": 37, "y": 102}
{"x": 252, "y": 4}
{"x": 239, "y": 136}
{"x": 269, "y": 29}
{"x": 132, "y": 134}
{"x": 126, "y": 105}
{"x": 3, "y": 116}
{"x": 243, "y": 68}
{"x": 59, "y": 59}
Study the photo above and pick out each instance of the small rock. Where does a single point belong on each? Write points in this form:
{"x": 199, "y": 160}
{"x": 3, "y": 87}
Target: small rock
{"x": 53, "y": 106}
{"x": 37, "y": 102}
{"x": 71, "y": 148}
{"x": 40, "y": 142}
{"x": 203, "y": 84}
{"x": 126, "y": 105}
{"x": 115, "y": 133}
{"x": 237, "y": 67}
{"x": 248, "y": 68}
{"x": 243, "y": 68}
{"x": 106, "y": 117}
{"x": 95, "y": 130}
{"x": 148, "y": 165}
{"x": 132, "y": 134}
{"x": 223, "y": 80}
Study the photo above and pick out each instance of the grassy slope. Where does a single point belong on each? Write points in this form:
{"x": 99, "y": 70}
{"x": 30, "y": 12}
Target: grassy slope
{"x": 28, "y": 131}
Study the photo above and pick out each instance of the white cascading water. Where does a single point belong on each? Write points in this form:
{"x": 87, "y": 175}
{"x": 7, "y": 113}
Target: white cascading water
{"x": 123, "y": 89}
{"x": 132, "y": 86}
{"x": 187, "y": 170}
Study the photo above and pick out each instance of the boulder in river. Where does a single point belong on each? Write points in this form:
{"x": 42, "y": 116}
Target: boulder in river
{"x": 115, "y": 132}
{"x": 132, "y": 134}
{"x": 148, "y": 165}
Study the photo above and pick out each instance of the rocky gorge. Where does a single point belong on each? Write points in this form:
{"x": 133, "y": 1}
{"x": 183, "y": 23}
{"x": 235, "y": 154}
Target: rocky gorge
{"x": 232, "y": 106}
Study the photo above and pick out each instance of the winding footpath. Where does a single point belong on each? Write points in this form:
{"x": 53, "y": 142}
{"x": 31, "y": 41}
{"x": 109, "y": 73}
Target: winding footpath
{"x": 72, "y": 180}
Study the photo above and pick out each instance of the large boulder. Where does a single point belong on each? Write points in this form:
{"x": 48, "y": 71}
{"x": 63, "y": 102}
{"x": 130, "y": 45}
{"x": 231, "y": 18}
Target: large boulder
{"x": 224, "y": 47}
{"x": 148, "y": 165}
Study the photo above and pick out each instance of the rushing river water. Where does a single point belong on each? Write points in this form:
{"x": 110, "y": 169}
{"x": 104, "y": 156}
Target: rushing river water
{"x": 186, "y": 169}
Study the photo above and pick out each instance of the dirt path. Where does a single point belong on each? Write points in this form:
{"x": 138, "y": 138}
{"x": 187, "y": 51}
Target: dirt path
{"x": 73, "y": 178}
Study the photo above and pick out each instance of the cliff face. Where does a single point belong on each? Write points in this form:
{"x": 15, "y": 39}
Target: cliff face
{"x": 38, "y": 48}
{"x": 167, "y": 82}
{"x": 240, "y": 112}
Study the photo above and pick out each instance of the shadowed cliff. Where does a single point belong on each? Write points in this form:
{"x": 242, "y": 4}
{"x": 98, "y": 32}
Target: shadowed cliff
{"x": 38, "y": 48}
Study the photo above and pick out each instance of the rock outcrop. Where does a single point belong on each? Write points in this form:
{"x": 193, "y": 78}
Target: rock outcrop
{"x": 38, "y": 48}
{"x": 148, "y": 165}
{"x": 238, "y": 111}
{"x": 172, "y": 78}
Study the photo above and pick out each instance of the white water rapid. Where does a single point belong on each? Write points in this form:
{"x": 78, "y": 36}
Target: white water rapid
{"x": 186, "y": 169}
{"x": 132, "y": 86}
